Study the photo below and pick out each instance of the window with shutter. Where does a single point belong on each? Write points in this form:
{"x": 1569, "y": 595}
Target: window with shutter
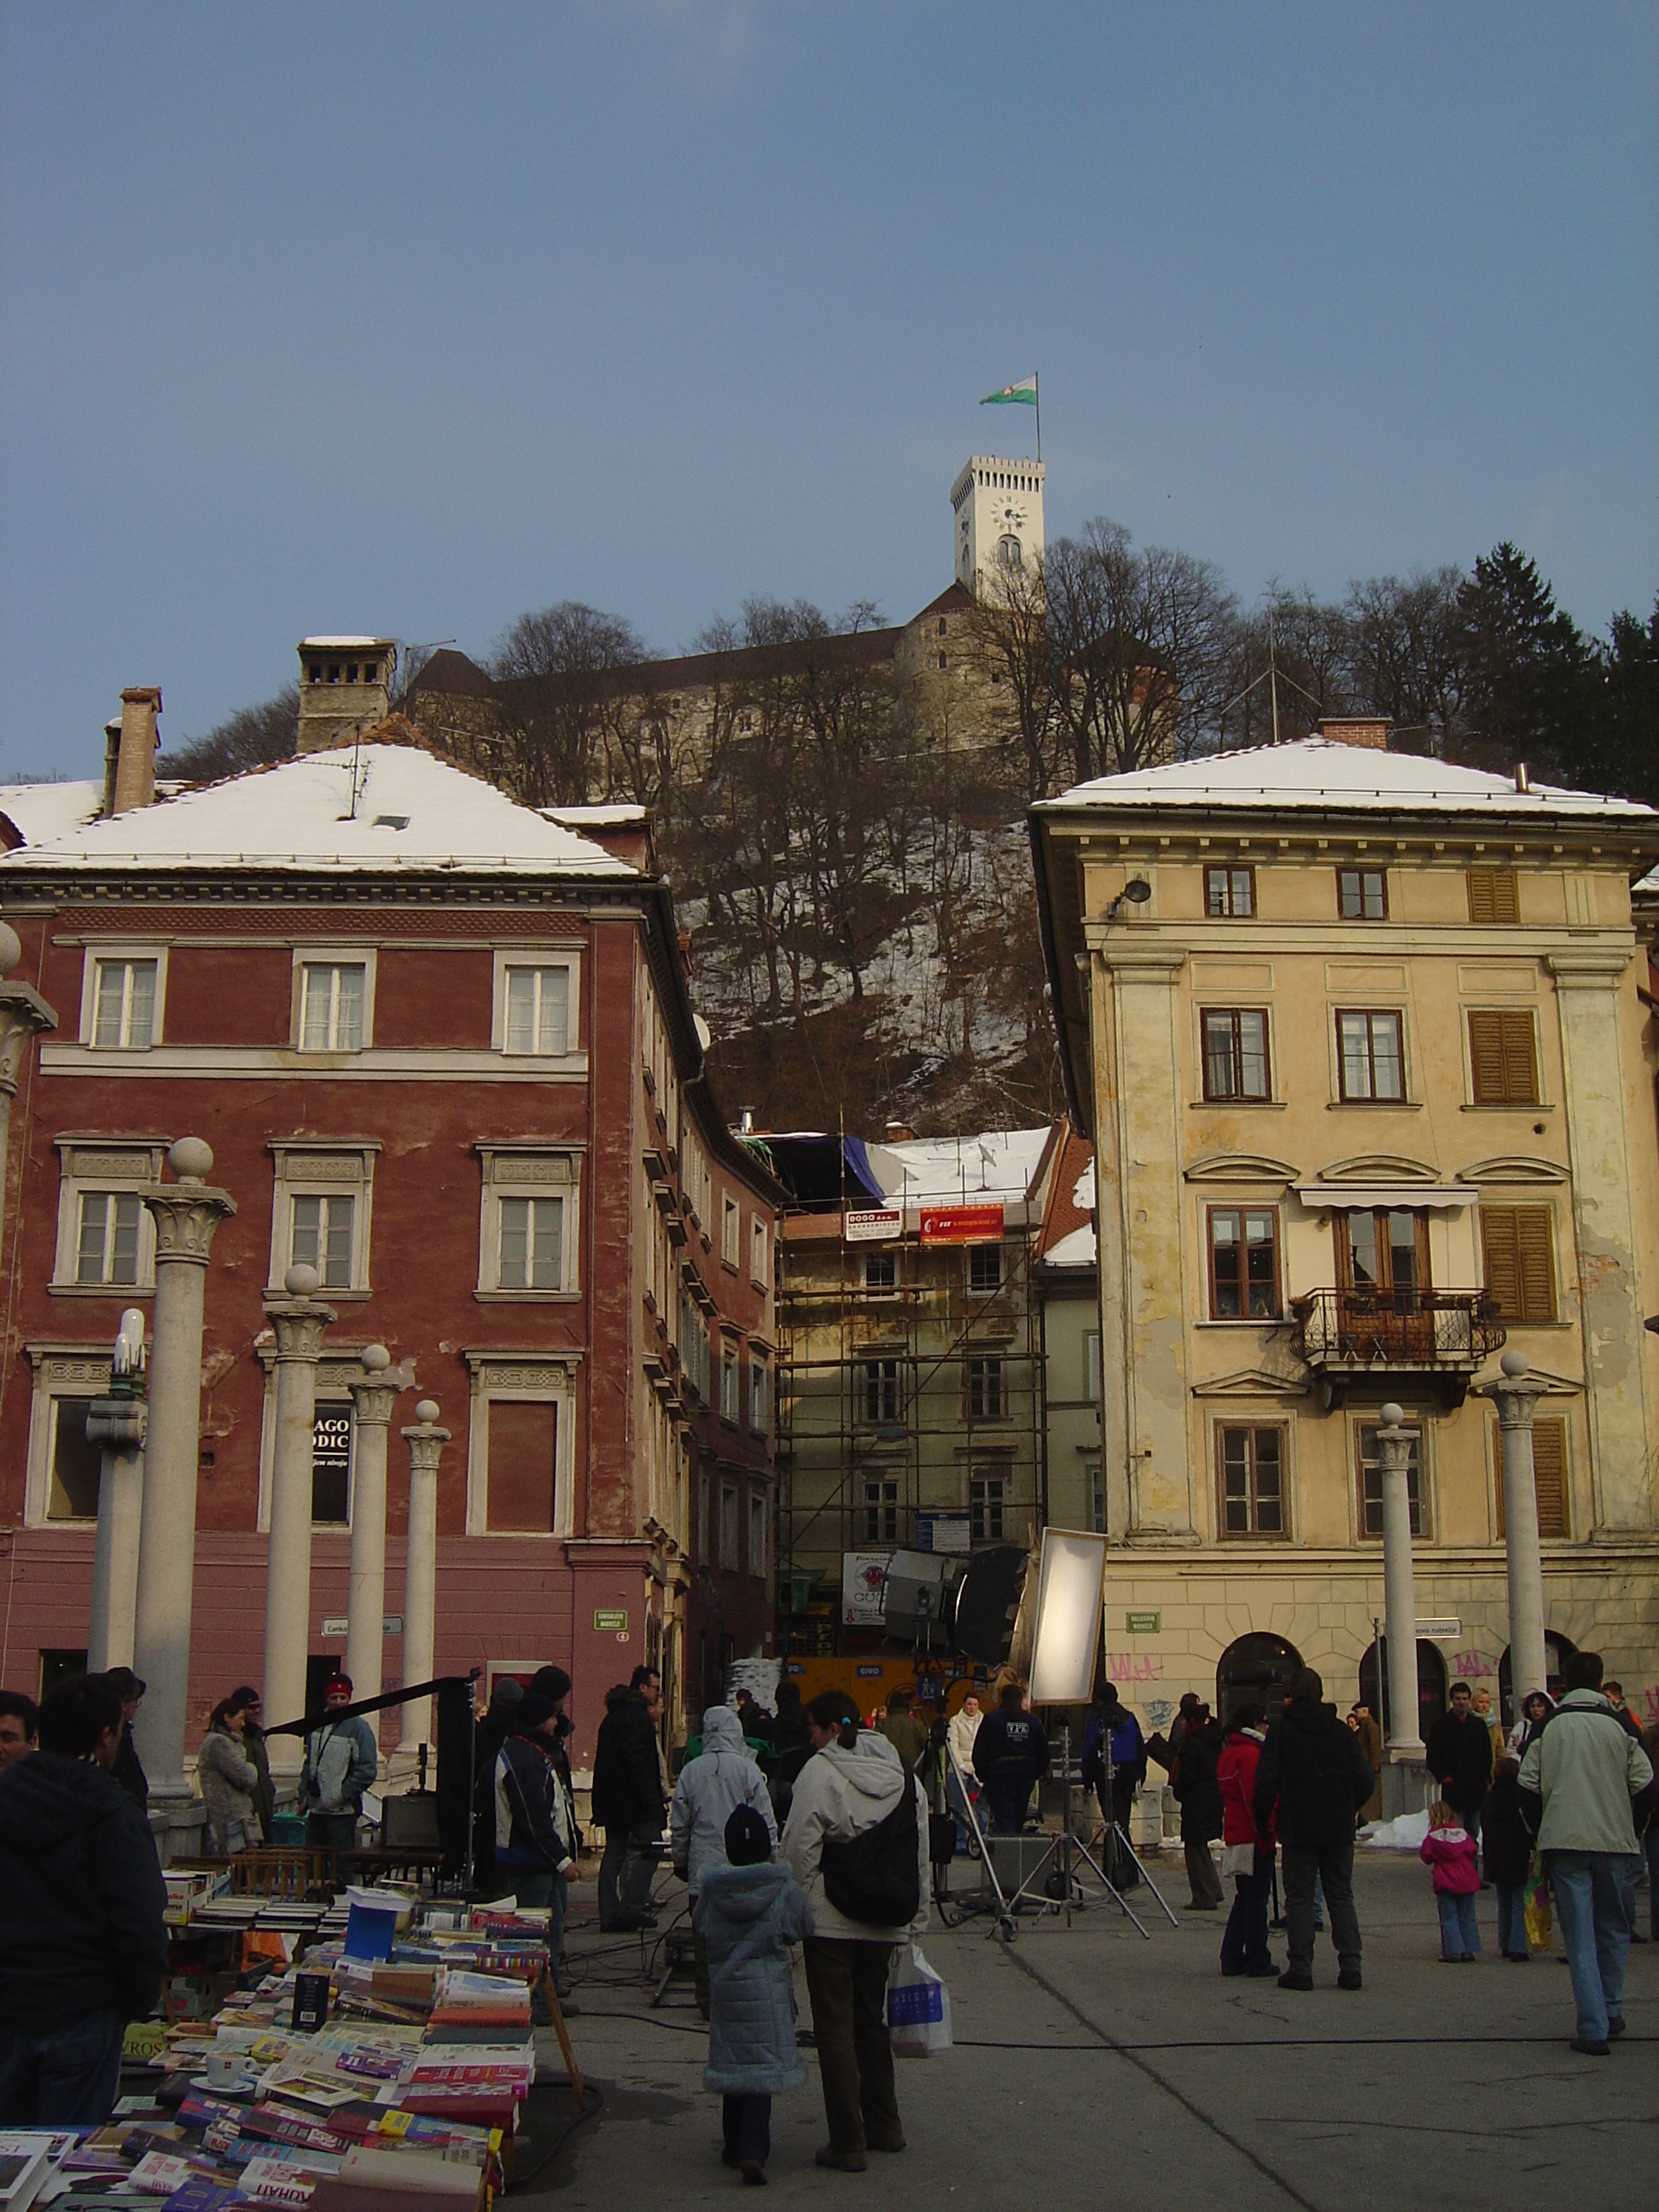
{"x": 1493, "y": 895}
{"x": 1549, "y": 1466}
{"x": 1503, "y": 1058}
{"x": 1520, "y": 1269}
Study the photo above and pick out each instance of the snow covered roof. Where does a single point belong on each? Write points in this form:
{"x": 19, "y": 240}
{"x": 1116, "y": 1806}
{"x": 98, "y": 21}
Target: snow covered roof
{"x": 41, "y": 810}
{"x": 1001, "y": 1163}
{"x": 413, "y": 814}
{"x": 1076, "y": 1249}
{"x": 342, "y": 644}
{"x": 1325, "y": 774}
{"x": 598, "y": 818}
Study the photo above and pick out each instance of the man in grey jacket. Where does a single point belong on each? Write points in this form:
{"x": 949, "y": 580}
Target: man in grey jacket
{"x": 710, "y": 1789}
{"x": 1586, "y": 1775}
{"x": 341, "y": 1762}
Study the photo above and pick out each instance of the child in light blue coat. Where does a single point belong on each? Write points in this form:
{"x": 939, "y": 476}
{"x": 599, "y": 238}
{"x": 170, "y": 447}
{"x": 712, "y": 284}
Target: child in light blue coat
{"x": 748, "y": 1913}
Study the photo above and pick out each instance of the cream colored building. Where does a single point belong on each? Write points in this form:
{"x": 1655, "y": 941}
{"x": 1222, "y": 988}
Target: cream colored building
{"x": 1359, "y": 1039}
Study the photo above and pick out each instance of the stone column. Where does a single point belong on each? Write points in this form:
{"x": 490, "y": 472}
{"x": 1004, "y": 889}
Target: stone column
{"x": 185, "y": 1213}
{"x": 426, "y": 1442}
{"x": 23, "y": 1014}
{"x": 1405, "y": 1746}
{"x": 297, "y": 1322}
{"x": 1516, "y": 1401}
{"x": 375, "y": 1398}
{"x": 117, "y": 1422}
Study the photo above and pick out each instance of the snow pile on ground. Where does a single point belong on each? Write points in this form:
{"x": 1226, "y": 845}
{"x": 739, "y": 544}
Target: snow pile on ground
{"x": 1404, "y": 1834}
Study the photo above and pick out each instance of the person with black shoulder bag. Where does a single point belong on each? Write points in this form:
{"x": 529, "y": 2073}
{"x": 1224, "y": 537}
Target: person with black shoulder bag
{"x": 856, "y": 1842}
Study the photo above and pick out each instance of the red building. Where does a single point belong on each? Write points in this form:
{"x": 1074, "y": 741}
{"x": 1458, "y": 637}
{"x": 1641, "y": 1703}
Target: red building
{"x": 443, "y": 1049}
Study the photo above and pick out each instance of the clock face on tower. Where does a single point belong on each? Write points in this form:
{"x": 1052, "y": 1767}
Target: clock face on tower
{"x": 1011, "y": 516}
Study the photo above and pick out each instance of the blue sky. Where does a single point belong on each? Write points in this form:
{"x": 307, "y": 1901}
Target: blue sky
{"x": 408, "y": 318}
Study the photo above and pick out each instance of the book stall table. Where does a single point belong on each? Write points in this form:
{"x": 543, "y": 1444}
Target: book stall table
{"x": 372, "y": 2069}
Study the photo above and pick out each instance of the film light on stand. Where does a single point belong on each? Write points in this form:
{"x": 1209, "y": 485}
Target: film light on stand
{"x": 1071, "y": 1593}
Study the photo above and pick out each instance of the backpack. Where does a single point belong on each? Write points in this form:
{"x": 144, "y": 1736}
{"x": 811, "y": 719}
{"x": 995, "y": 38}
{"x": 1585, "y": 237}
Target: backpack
{"x": 1126, "y": 1742}
{"x": 873, "y": 1877}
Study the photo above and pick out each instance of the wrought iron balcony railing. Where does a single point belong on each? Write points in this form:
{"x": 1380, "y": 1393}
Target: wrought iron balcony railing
{"x": 1380, "y": 1330}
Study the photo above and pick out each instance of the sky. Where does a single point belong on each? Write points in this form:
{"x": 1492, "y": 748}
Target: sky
{"x": 405, "y": 320}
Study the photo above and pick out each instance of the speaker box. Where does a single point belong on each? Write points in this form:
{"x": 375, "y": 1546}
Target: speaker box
{"x": 1016, "y": 1859}
{"x": 409, "y": 1824}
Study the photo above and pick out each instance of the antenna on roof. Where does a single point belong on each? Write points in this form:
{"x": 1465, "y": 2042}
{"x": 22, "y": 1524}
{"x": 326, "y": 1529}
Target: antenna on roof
{"x": 1273, "y": 662}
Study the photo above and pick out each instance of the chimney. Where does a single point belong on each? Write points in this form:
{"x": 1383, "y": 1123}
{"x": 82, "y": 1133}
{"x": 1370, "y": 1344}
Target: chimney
{"x": 130, "y": 751}
{"x": 746, "y": 1121}
{"x": 345, "y": 689}
{"x": 1370, "y": 730}
{"x": 899, "y": 1133}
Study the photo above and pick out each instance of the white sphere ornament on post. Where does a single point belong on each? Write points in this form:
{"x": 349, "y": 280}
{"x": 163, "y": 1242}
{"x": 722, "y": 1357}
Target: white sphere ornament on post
{"x": 374, "y": 1397}
{"x": 426, "y": 1441}
{"x": 1516, "y": 1400}
{"x": 1394, "y": 1449}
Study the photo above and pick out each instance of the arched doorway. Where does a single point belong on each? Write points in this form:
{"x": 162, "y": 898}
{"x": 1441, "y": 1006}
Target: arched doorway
{"x": 1254, "y": 1668}
{"x": 1431, "y": 1686}
{"x": 1557, "y": 1650}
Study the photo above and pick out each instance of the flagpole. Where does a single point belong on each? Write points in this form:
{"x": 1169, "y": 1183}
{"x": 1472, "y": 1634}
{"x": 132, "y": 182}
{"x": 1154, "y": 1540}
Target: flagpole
{"x": 1036, "y": 387}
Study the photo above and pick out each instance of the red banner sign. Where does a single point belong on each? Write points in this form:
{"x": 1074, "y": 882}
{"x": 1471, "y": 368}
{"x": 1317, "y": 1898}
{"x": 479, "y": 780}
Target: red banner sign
{"x": 962, "y": 1224}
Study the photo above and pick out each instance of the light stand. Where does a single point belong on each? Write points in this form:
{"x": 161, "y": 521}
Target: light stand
{"x": 1117, "y": 1835}
{"x": 1004, "y": 1915}
{"x": 1064, "y": 1849}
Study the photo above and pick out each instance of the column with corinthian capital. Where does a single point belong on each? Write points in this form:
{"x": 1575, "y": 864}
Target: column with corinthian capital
{"x": 297, "y": 1322}
{"x": 375, "y": 1398}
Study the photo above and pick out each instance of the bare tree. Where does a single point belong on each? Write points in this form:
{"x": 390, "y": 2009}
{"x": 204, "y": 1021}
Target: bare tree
{"x": 564, "y": 699}
{"x": 1406, "y": 654}
{"x": 254, "y": 737}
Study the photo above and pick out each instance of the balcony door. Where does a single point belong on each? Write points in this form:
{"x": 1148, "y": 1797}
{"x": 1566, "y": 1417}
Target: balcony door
{"x": 1382, "y": 1271}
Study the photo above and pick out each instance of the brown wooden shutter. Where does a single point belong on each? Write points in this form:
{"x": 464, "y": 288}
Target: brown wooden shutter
{"x": 1500, "y": 1245}
{"x": 1486, "y": 1058}
{"x": 1534, "y": 1262}
{"x": 1491, "y": 894}
{"x": 1520, "y": 1061}
{"x": 1549, "y": 1459}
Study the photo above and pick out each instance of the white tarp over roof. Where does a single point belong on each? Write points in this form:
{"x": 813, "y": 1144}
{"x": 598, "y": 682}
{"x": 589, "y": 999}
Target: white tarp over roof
{"x": 999, "y": 1164}
{"x": 1322, "y": 772}
{"x": 300, "y": 815}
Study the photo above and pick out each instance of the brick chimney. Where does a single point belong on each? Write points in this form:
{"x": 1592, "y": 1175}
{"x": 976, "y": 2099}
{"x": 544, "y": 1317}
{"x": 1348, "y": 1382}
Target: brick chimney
{"x": 1370, "y": 730}
{"x": 130, "y": 751}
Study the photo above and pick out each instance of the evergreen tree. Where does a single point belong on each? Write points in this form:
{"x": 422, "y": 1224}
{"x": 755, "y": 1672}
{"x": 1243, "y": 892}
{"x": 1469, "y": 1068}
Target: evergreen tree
{"x": 1529, "y": 681}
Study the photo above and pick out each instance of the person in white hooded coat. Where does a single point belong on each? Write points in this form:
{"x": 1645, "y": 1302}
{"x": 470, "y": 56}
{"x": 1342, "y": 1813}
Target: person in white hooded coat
{"x": 711, "y": 1788}
{"x": 853, "y": 1781}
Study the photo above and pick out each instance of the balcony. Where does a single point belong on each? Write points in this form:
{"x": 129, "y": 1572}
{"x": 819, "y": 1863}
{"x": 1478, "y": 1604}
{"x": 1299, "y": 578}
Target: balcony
{"x": 1366, "y": 1342}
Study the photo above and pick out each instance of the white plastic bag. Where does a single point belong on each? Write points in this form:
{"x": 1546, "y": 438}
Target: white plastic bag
{"x": 918, "y": 2007}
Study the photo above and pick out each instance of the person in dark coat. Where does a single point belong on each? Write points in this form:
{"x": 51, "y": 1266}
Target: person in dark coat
{"x": 789, "y": 1723}
{"x": 82, "y": 1946}
{"x": 1010, "y": 1756}
{"x": 1459, "y": 1757}
{"x": 1311, "y": 1779}
{"x": 127, "y": 1770}
{"x": 1199, "y": 1796}
{"x": 1507, "y": 1851}
{"x": 630, "y": 1805}
{"x": 1112, "y": 1725}
{"x": 491, "y": 1734}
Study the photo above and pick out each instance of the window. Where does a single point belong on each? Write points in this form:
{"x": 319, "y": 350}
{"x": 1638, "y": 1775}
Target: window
{"x": 881, "y": 1511}
{"x": 729, "y": 1527}
{"x": 332, "y": 994}
{"x": 330, "y": 1467}
{"x": 757, "y": 1534}
{"x": 728, "y": 1382}
{"x": 1370, "y": 1481}
{"x": 1229, "y": 891}
{"x": 1094, "y": 1482}
{"x": 731, "y": 1231}
{"x": 882, "y": 1401}
{"x": 124, "y": 1017}
{"x": 1091, "y": 1365}
{"x": 1362, "y": 894}
{"x": 106, "y": 1244}
{"x": 984, "y": 1266}
{"x": 1008, "y": 552}
{"x": 986, "y": 1401}
{"x": 524, "y": 1446}
{"x": 77, "y": 1466}
{"x": 1371, "y": 1061}
{"x": 1519, "y": 1265}
{"x": 537, "y": 1011}
{"x": 757, "y": 1395}
{"x": 532, "y": 1245}
{"x": 1252, "y": 1482}
{"x": 1549, "y": 1466}
{"x": 1502, "y": 1060}
{"x": 320, "y": 1237}
{"x": 987, "y": 1494}
{"x": 1493, "y": 895}
{"x": 521, "y": 1432}
{"x": 880, "y": 1271}
{"x": 760, "y": 1257}
{"x": 1235, "y": 1054}
{"x": 1243, "y": 1263}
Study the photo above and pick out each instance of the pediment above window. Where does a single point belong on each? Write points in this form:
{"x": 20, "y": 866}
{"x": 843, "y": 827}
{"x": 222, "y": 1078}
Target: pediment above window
{"x": 1240, "y": 1167}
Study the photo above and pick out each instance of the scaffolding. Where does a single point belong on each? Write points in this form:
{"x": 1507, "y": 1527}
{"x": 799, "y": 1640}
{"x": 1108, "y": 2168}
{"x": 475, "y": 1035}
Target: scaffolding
{"x": 920, "y": 1395}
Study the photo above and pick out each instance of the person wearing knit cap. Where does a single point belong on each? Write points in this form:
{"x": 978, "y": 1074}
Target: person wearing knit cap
{"x": 534, "y": 1829}
{"x": 748, "y": 1912}
{"x": 246, "y": 1700}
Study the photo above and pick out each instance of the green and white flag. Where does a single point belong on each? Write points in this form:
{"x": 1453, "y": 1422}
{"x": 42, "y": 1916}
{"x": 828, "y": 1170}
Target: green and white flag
{"x": 1022, "y": 394}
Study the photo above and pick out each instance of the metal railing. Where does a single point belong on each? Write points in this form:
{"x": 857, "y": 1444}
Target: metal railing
{"x": 1397, "y": 1328}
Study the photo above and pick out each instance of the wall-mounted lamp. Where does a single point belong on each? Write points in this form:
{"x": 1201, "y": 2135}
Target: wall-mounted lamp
{"x": 1136, "y": 891}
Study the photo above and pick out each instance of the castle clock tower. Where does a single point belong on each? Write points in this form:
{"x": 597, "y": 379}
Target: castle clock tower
{"x": 998, "y": 505}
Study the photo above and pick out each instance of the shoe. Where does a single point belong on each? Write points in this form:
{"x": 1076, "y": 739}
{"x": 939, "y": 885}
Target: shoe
{"x": 855, "y": 2162}
{"x": 1349, "y": 1978}
{"x": 1635, "y": 1938}
{"x": 1588, "y": 2050}
{"x": 1230, "y": 1970}
{"x": 1260, "y": 1973}
{"x": 754, "y": 2173}
{"x": 1518, "y": 1958}
{"x": 1616, "y": 2023}
{"x": 896, "y": 2143}
{"x": 1289, "y": 1979}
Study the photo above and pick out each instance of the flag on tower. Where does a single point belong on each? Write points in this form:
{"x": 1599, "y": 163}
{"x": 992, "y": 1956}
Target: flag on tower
{"x": 1022, "y": 394}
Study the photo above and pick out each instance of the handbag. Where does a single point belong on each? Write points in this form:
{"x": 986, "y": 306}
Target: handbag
{"x": 918, "y": 2006}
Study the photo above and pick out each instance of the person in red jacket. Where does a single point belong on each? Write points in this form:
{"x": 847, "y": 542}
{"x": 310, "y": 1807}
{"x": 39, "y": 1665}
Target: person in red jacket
{"x": 1449, "y": 1849}
{"x": 1246, "y": 1854}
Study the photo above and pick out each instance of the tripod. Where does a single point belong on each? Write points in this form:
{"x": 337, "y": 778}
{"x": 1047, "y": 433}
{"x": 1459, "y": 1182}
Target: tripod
{"x": 1117, "y": 1835}
{"x": 1064, "y": 1849}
